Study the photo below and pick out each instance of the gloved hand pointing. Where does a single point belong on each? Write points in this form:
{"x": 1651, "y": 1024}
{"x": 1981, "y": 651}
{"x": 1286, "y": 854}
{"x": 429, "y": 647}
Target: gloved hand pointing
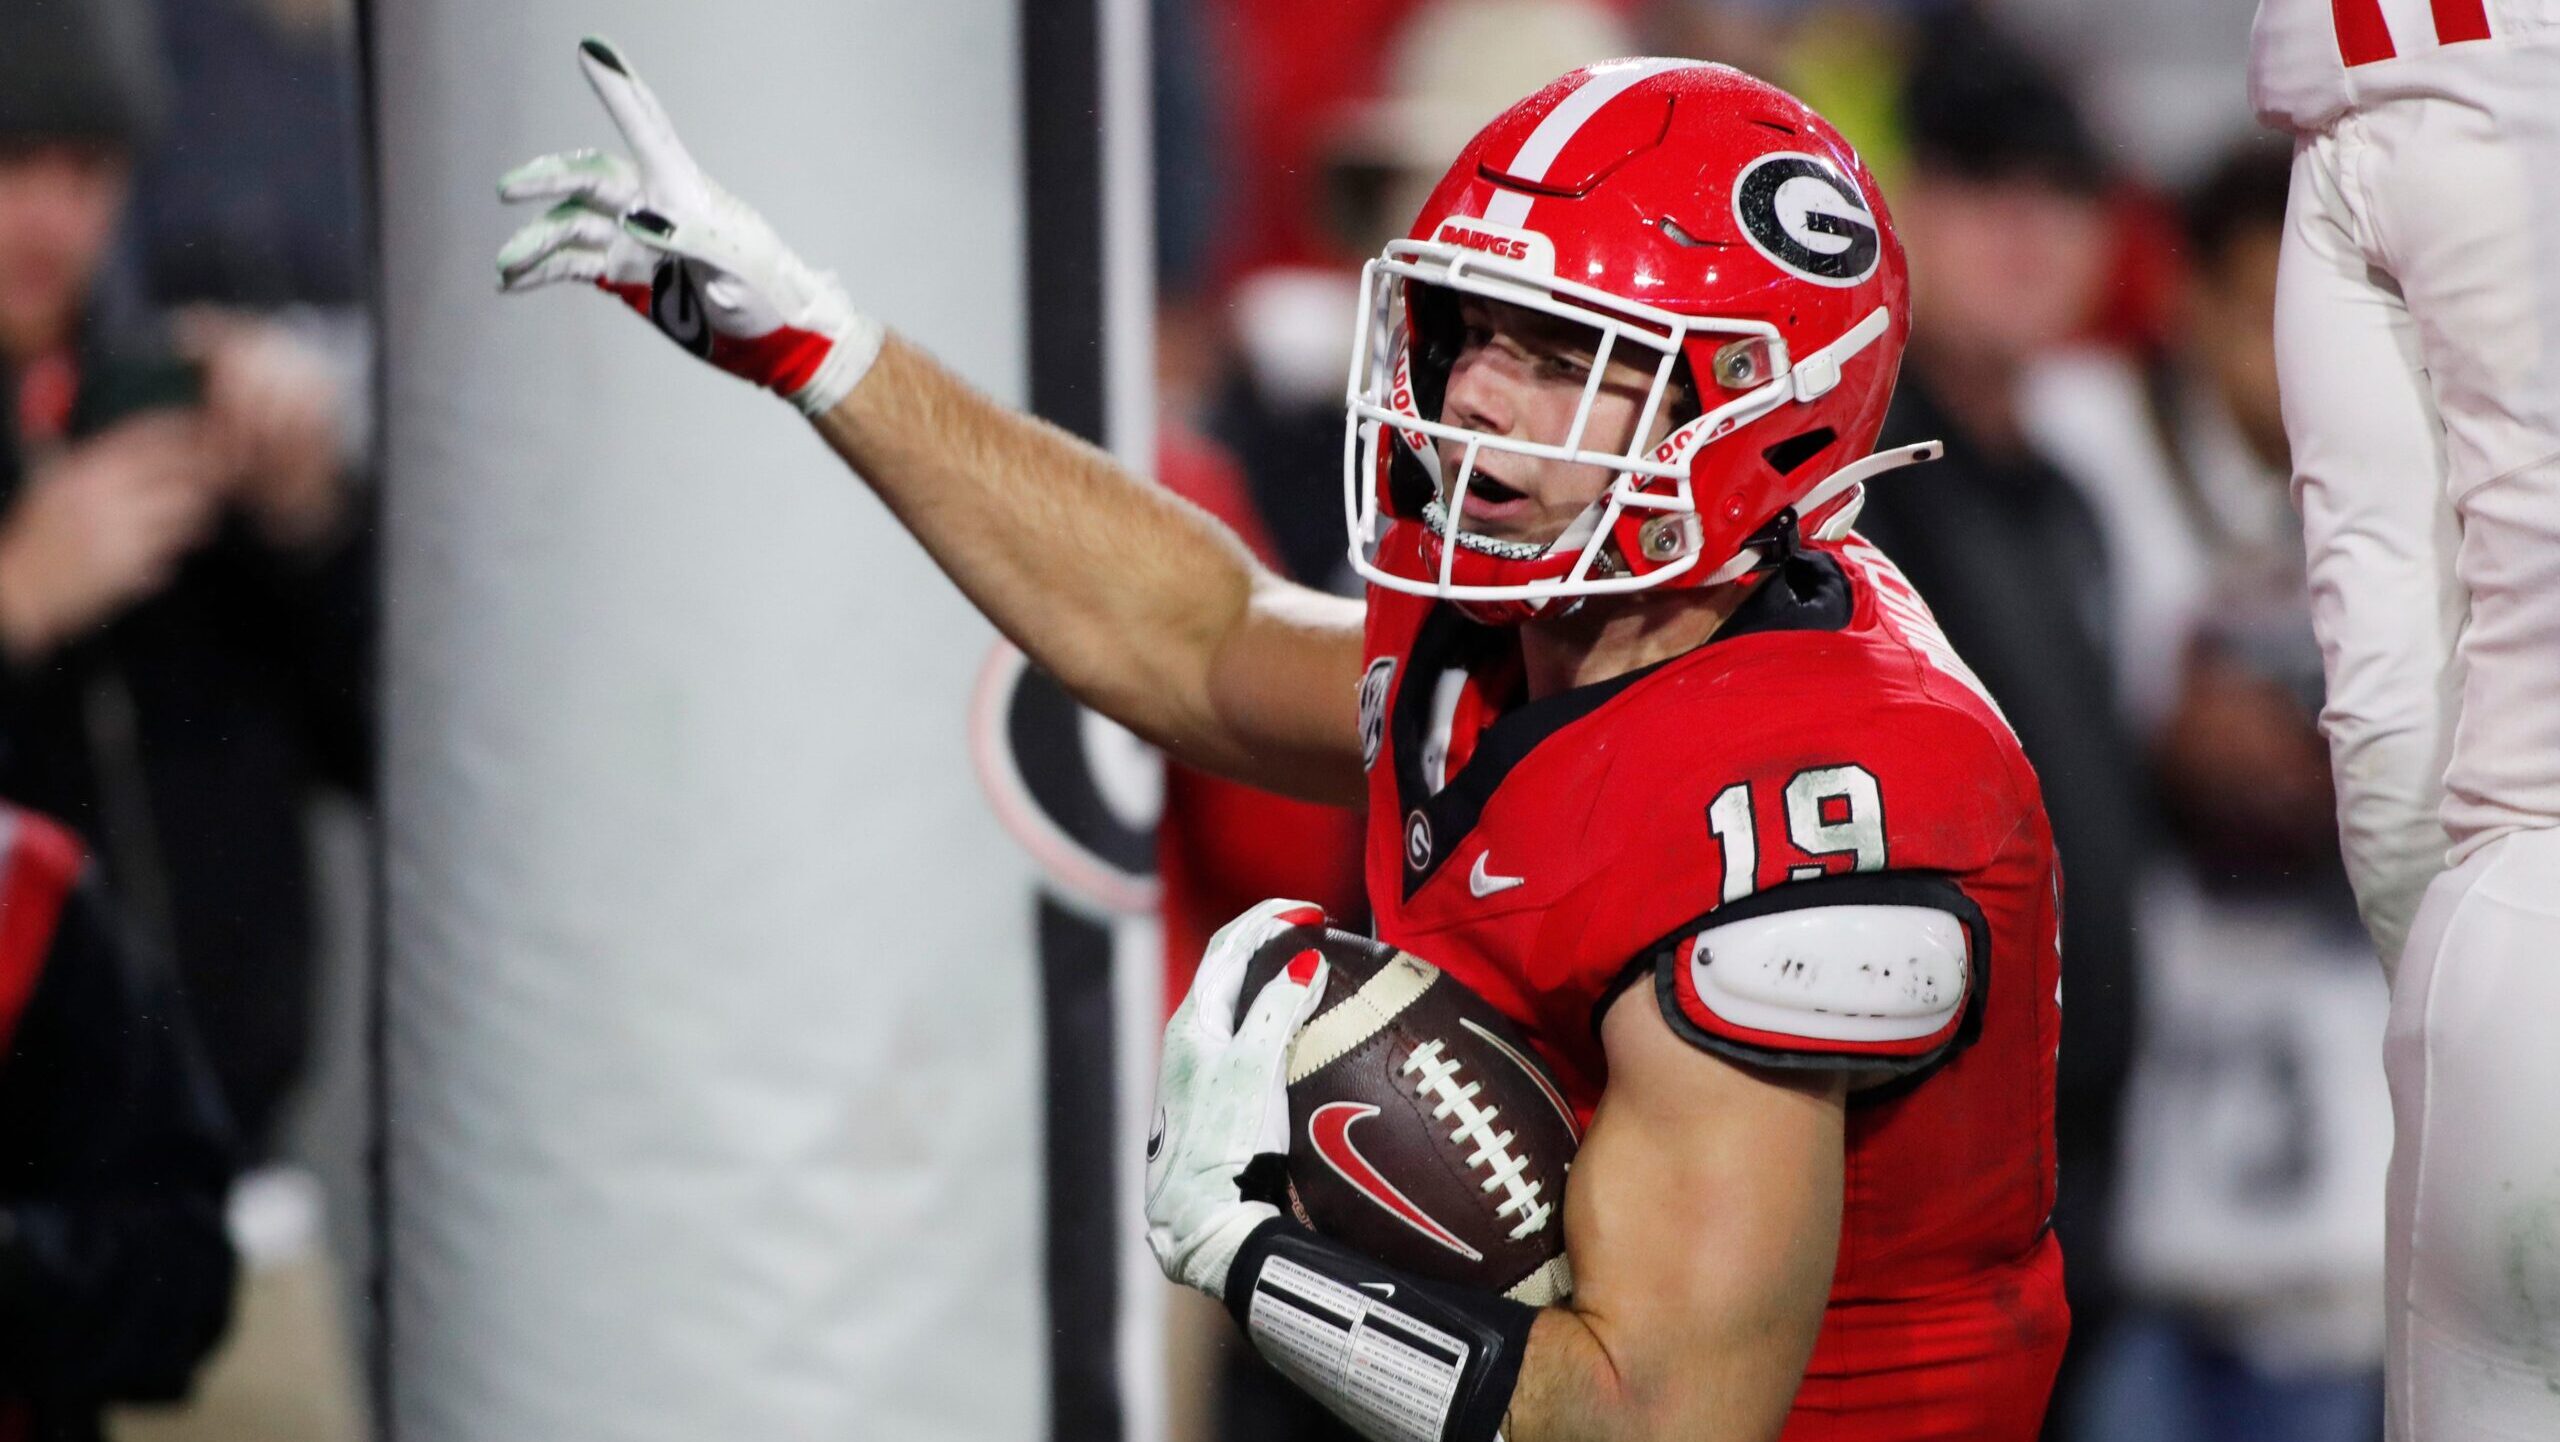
{"x": 656, "y": 231}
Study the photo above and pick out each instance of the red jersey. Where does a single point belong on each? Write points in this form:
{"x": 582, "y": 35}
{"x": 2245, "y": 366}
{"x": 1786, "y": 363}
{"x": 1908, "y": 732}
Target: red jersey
{"x": 1825, "y": 748}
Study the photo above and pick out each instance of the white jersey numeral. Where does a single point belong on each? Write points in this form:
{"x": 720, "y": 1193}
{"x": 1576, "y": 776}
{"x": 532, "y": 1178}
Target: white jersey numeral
{"x": 1831, "y": 811}
{"x": 1729, "y": 818}
{"x": 1859, "y": 831}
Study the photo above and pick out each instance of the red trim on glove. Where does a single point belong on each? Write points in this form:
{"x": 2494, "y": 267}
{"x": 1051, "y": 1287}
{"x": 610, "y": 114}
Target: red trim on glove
{"x": 783, "y": 360}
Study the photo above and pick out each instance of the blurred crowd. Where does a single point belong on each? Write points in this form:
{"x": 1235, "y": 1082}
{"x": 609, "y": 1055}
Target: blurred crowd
{"x": 185, "y": 619}
{"x": 2091, "y": 219}
{"x": 187, "y": 594}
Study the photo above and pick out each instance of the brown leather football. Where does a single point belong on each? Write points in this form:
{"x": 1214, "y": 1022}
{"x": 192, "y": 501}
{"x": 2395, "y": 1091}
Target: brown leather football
{"x": 1424, "y": 1131}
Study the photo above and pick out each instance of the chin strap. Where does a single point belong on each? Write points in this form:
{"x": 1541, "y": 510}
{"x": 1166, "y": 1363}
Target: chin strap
{"x": 1853, "y": 477}
{"x": 1775, "y": 542}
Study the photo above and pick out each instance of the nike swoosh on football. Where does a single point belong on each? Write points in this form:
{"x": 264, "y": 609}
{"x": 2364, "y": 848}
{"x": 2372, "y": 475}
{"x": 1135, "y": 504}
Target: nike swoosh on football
{"x": 1484, "y": 883}
{"x": 1329, "y": 1129}
{"x": 1386, "y": 1290}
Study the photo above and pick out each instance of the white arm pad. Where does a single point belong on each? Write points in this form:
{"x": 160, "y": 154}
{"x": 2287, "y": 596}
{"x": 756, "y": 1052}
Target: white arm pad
{"x": 1835, "y": 973}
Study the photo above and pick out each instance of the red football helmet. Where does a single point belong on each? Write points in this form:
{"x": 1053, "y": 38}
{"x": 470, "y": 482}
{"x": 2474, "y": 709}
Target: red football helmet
{"x": 1706, "y": 218}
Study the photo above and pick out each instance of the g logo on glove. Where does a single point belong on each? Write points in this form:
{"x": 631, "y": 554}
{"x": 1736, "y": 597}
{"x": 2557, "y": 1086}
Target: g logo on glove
{"x": 676, "y": 306}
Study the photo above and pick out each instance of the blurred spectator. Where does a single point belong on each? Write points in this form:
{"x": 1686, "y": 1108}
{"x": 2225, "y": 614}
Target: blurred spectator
{"x": 183, "y": 607}
{"x": 1297, "y": 66}
{"x": 1194, "y": 157}
{"x": 115, "y": 1274}
{"x": 2163, "y": 81}
{"x": 185, "y": 613}
{"x": 2257, "y": 1127}
{"x": 249, "y": 197}
{"x": 1999, "y": 209}
{"x": 1454, "y": 65}
{"x": 1845, "y": 58}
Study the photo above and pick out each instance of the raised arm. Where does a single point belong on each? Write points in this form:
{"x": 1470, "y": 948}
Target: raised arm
{"x": 1142, "y": 605}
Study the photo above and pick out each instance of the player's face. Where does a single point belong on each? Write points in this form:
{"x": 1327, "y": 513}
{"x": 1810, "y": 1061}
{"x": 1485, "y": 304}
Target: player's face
{"x": 59, "y": 204}
{"x": 1520, "y": 374}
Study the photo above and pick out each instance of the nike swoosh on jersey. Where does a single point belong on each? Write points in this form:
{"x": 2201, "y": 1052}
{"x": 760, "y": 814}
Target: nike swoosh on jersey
{"x": 1329, "y": 1130}
{"x": 1484, "y": 883}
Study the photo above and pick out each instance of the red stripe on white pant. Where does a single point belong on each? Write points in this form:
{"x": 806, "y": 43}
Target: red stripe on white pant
{"x": 2460, "y": 20}
{"x": 2365, "y": 37}
{"x": 2362, "y": 37}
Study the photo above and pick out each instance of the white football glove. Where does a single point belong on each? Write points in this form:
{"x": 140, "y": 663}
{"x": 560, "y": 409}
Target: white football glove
{"x": 1222, "y": 1097}
{"x": 683, "y": 252}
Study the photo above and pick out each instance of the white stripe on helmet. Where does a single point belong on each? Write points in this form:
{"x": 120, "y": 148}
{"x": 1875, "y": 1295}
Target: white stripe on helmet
{"x": 1607, "y": 83}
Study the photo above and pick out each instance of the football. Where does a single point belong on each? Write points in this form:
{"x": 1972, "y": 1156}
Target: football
{"x": 1423, "y": 1130}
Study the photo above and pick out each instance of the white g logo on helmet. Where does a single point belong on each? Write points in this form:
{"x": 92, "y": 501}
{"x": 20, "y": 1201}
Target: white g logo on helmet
{"x": 1803, "y": 214}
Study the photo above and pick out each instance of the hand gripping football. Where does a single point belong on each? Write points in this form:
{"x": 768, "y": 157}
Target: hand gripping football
{"x": 1423, "y": 1131}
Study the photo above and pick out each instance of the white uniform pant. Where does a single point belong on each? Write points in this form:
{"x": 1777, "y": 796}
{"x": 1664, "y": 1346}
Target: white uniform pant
{"x": 2473, "y": 1055}
{"x": 2418, "y": 343}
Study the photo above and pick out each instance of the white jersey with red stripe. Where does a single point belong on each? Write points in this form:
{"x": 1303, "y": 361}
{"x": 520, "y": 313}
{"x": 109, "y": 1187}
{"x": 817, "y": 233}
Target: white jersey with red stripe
{"x": 2311, "y": 61}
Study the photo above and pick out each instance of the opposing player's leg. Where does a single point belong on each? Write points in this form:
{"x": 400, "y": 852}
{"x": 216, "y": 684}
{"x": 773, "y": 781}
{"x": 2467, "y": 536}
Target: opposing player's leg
{"x": 2466, "y": 207}
{"x": 2459, "y": 204}
{"x": 2475, "y": 1190}
{"x": 2368, "y": 476}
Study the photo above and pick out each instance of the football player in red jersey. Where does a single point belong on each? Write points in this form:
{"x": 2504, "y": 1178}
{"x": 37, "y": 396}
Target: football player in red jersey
{"x": 1658, "y": 757}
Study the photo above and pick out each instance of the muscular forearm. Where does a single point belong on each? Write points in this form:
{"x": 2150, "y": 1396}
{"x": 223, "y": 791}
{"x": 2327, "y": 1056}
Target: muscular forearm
{"x": 1135, "y": 599}
{"x": 1580, "y": 1382}
{"x": 1570, "y": 1387}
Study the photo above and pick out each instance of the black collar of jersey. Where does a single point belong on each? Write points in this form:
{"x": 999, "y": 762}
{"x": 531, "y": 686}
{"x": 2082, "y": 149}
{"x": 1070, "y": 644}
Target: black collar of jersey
{"x": 1807, "y": 592}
